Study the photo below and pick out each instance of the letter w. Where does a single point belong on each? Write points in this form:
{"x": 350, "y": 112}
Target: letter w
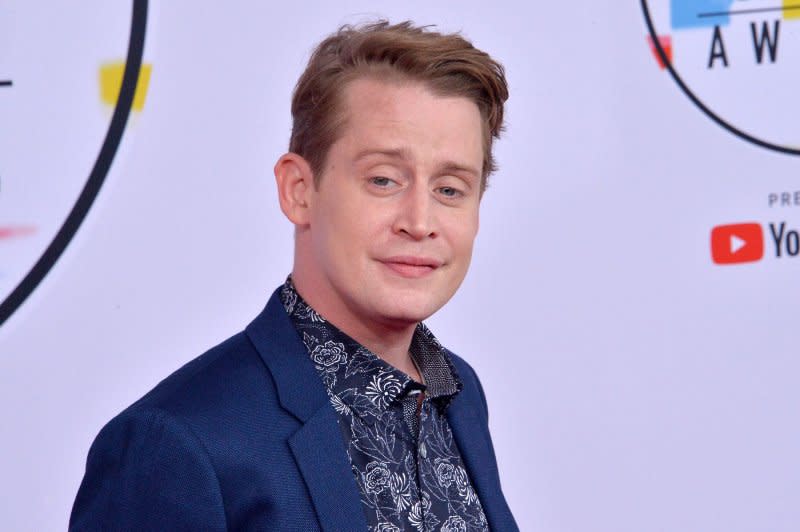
{"x": 765, "y": 38}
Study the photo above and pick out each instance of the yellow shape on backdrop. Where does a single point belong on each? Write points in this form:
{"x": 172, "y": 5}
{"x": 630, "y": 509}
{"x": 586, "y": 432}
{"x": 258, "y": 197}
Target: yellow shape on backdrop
{"x": 791, "y": 9}
{"x": 111, "y": 82}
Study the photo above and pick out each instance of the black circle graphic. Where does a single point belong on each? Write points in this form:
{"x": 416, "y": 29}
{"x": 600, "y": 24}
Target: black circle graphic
{"x": 699, "y": 103}
{"x": 99, "y": 170}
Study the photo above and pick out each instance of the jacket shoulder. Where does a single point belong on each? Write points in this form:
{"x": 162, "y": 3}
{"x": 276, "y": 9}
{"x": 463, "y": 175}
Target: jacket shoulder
{"x": 206, "y": 378}
{"x": 202, "y": 450}
{"x": 147, "y": 470}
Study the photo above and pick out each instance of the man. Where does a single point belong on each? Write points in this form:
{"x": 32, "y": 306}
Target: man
{"x": 336, "y": 408}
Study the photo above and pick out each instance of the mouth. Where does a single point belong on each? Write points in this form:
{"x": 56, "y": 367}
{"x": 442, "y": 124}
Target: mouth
{"x": 412, "y": 267}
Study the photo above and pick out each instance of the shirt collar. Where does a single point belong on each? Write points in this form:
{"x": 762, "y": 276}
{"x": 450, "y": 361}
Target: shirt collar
{"x": 350, "y": 371}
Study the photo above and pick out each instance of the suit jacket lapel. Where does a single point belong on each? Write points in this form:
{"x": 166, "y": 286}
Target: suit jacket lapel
{"x": 322, "y": 459}
{"x": 475, "y": 445}
{"x": 317, "y": 446}
{"x": 300, "y": 390}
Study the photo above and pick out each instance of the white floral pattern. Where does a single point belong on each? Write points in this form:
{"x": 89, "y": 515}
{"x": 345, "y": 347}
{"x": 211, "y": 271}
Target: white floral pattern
{"x": 340, "y": 406}
{"x": 329, "y": 357}
{"x": 444, "y": 472}
{"x": 454, "y": 523}
{"x": 465, "y": 489}
{"x": 376, "y": 477}
{"x": 401, "y": 491}
{"x": 383, "y": 388}
{"x": 419, "y": 510}
{"x": 403, "y": 455}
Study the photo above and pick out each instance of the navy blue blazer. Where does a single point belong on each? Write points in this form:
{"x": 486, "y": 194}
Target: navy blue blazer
{"x": 244, "y": 438}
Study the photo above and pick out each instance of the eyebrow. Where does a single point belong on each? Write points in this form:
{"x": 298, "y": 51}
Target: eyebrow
{"x": 404, "y": 154}
{"x": 398, "y": 153}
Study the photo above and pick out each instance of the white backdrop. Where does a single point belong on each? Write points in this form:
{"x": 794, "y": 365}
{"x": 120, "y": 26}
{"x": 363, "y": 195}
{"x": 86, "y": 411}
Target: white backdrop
{"x": 634, "y": 384}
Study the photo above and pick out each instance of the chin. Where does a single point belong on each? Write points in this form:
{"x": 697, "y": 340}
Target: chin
{"x": 411, "y": 308}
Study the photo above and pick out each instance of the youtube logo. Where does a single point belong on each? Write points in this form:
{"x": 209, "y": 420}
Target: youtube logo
{"x": 737, "y": 243}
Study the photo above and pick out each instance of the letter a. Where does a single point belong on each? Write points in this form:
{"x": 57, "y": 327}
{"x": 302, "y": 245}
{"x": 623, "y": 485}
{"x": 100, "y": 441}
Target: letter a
{"x": 717, "y": 49}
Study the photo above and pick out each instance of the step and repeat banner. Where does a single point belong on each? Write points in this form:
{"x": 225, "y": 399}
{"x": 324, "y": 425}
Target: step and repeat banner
{"x": 632, "y": 305}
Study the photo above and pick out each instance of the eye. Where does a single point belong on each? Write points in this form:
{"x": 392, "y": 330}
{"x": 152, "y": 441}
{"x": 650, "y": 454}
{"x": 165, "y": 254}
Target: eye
{"x": 450, "y": 192}
{"x": 381, "y": 181}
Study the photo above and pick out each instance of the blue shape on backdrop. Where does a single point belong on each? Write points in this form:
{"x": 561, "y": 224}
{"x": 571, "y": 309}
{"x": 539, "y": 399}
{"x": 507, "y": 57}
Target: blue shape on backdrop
{"x": 685, "y": 13}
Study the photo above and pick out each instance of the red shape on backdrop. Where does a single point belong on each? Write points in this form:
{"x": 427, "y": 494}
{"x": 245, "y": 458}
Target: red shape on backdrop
{"x": 14, "y": 231}
{"x": 666, "y": 43}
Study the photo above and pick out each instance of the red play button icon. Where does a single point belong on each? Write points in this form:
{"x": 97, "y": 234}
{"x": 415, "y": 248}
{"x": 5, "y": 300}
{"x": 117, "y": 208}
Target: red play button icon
{"x": 737, "y": 243}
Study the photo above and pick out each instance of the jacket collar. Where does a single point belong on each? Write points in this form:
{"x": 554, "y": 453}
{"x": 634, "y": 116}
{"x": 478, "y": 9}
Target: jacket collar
{"x": 300, "y": 390}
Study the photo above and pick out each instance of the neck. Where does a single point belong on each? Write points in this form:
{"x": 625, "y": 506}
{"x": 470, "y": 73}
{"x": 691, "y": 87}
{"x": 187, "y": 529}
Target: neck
{"x": 389, "y": 341}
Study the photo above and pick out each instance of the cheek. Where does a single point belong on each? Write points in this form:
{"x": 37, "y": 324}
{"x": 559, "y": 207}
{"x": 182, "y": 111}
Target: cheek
{"x": 463, "y": 235}
{"x": 351, "y": 232}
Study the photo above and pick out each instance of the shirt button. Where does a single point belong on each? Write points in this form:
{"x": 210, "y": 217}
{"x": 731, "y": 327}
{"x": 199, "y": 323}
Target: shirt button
{"x": 422, "y": 451}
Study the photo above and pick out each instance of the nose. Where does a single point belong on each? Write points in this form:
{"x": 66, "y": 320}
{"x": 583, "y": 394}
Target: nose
{"x": 415, "y": 216}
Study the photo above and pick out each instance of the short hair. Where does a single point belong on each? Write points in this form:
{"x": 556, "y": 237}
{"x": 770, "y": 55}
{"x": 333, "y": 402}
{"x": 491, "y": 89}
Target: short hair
{"x": 447, "y": 64}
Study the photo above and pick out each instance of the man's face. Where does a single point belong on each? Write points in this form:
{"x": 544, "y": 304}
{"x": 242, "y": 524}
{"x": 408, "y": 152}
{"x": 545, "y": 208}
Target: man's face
{"x": 393, "y": 220}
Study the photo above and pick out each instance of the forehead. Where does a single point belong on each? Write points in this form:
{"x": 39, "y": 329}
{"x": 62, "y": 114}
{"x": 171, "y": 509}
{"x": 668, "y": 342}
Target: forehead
{"x": 407, "y": 115}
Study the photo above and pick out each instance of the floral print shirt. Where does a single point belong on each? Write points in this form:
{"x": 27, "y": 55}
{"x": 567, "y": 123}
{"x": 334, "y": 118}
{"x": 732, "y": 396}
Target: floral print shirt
{"x": 403, "y": 455}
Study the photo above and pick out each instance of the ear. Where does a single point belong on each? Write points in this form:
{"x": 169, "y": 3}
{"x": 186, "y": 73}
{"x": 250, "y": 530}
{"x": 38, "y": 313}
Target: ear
{"x": 295, "y": 182}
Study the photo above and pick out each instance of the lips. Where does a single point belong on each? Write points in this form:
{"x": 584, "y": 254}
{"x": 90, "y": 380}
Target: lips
{"x": 412, "y": 267}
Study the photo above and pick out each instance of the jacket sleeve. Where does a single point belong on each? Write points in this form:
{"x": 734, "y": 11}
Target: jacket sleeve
{"x": 147, "y": 470}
